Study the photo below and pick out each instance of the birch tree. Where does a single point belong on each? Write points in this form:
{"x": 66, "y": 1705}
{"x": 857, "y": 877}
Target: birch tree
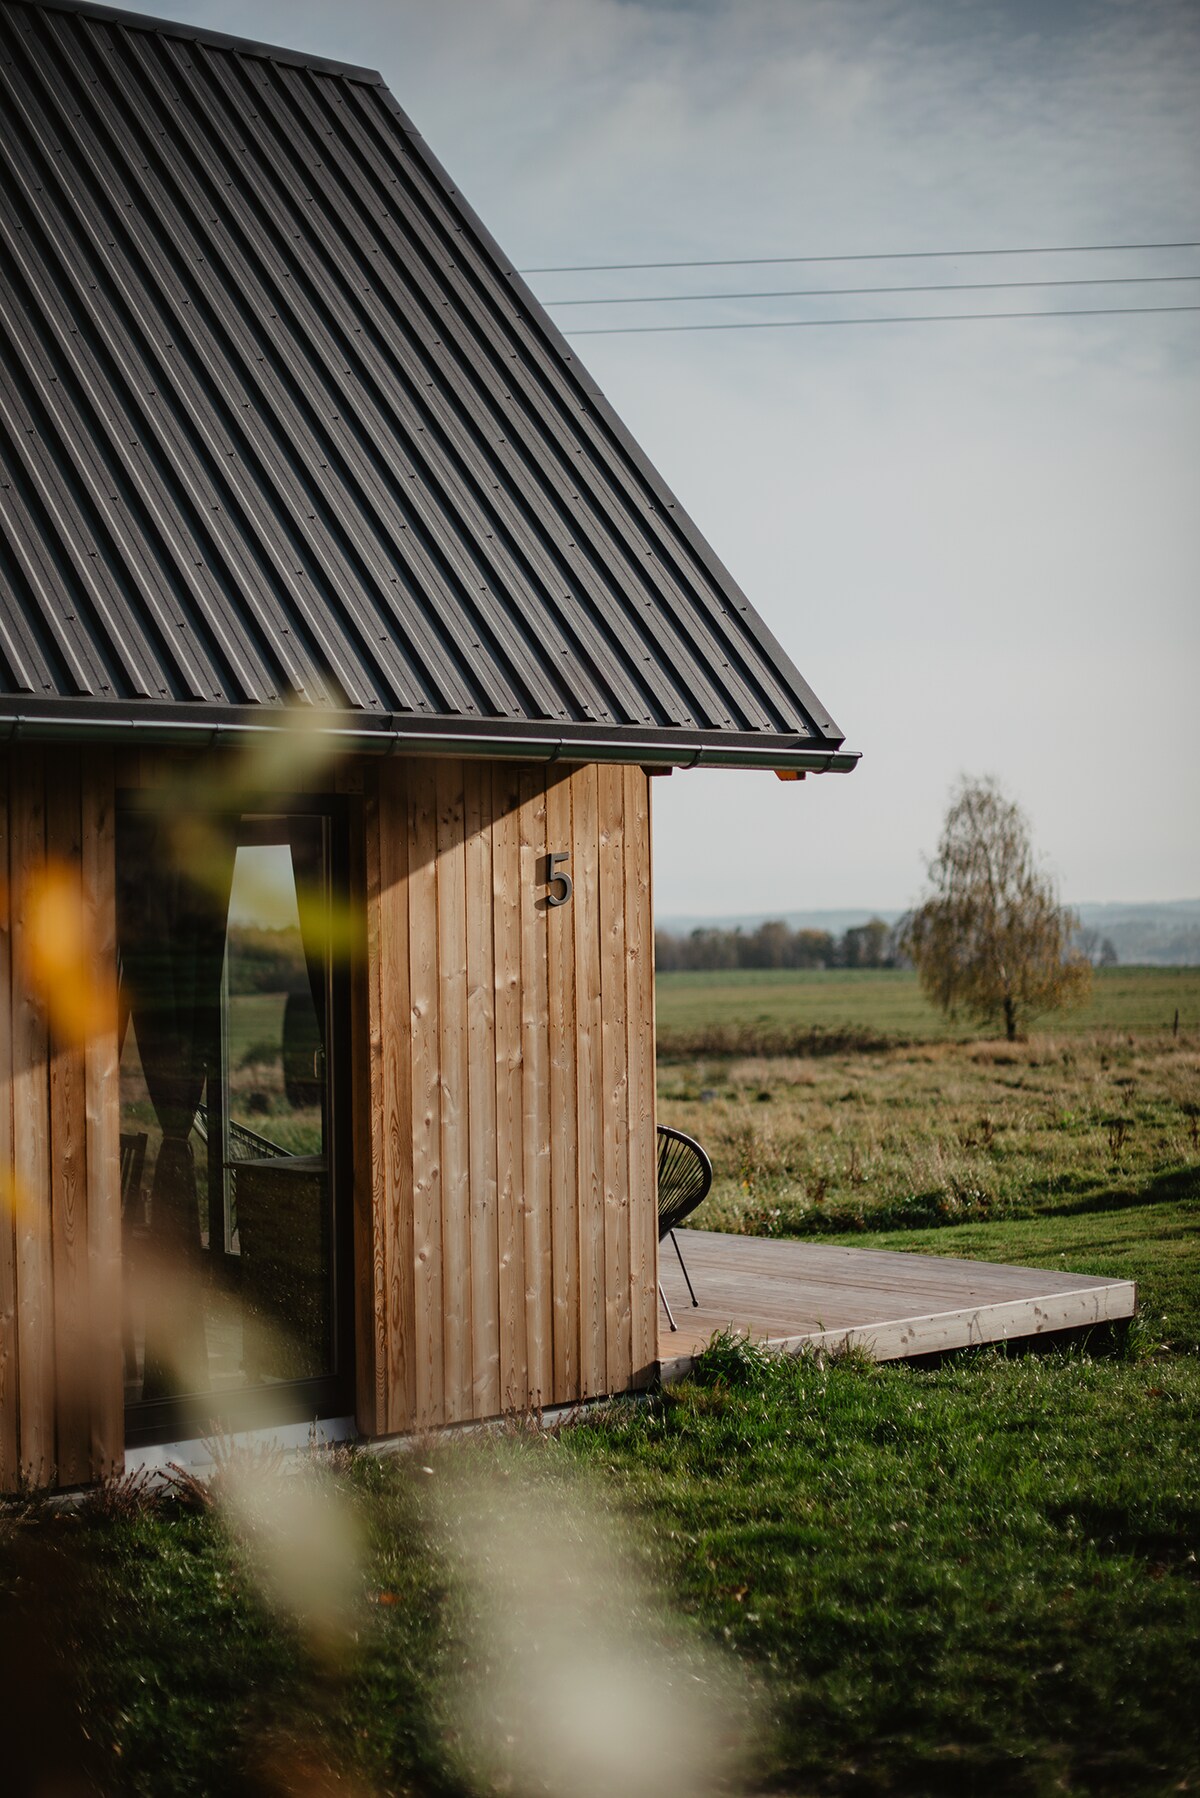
{"x": 991, "y": 938}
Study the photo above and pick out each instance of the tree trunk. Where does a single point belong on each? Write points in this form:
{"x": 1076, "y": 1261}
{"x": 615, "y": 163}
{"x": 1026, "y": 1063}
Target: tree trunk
{"x": 1010, "y": 1019}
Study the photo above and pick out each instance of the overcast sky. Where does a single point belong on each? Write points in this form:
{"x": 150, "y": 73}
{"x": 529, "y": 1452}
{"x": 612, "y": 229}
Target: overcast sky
{"x": 980, "y": 542}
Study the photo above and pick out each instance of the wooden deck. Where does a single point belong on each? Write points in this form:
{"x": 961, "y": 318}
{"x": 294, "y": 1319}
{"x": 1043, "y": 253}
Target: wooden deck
{"x": 893, "y": 1305}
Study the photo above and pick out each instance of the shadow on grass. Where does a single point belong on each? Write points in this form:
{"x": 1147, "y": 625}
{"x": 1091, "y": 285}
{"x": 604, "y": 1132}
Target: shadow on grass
{"x": 943, "y": 1208}
{"x": 1162, "y": 1541}
{"x": 715, "y": 1041}
{"x": 1177, "y": 1185}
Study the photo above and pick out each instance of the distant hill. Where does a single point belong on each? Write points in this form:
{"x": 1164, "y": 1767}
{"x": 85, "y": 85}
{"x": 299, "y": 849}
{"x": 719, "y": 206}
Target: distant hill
{"x": 835, "y": 922}
{"x": 1155, "y": 934}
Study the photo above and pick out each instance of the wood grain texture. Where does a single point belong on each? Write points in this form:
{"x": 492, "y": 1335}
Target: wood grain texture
{"x": 503, "y": 1103}
{"x": 9, "y": 1460}
{"x": 536, "y": 1214}
{"x": 102, "y": 1088}
{"x": 454, "y": 1078}
{"x": 590, "y": 1097}
{"x": 367, "y": 1124}
{"x": 643, "y": 1147}
{"x": 394, "y": 1183}
{"x": 68, "y": 1159}
{"x": 31, "y": 1131}
{"x": 614, "y": 1085}
{"x": 425, "y": 1097}
{"x": 482, "y": 1157}
{"x": 563, "y": 1121}
{"x": 892, "y": 1304}
{"x": 514, "y": 1380}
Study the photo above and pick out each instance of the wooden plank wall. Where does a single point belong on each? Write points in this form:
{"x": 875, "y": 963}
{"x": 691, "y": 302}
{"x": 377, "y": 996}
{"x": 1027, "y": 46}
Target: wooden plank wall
{"x": 506, "y": 1060}
{"x": 61, "y": 1402}
{"x": 504, "y": 1150}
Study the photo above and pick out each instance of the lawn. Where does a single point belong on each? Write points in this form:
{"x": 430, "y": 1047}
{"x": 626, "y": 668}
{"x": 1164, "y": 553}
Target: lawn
{"x": 974, "y": 1578}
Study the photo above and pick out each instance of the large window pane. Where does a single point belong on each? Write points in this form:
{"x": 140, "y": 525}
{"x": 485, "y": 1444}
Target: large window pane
{"x": 225, "y": 1079}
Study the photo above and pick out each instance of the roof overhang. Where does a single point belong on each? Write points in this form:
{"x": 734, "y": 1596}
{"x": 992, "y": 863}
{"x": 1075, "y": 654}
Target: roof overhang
{"x": 395, "y": 734}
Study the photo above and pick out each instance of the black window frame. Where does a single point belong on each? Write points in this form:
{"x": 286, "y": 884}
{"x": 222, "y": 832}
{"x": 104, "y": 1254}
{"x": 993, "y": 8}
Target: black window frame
{"x": 152, "y": 1422}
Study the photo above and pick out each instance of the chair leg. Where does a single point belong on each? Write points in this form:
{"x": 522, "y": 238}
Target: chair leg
{"x": 686, "y": 1275}
{"x": 670, "y": 1318}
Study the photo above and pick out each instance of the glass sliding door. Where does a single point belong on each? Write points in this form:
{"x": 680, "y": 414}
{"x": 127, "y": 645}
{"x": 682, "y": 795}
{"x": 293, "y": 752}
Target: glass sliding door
{"x": 231, "y": 1069}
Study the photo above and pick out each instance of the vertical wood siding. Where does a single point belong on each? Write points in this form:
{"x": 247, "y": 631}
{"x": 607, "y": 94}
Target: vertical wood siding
{"x": 510, "y": 1205}
{"x": 503, "y": 1130}
{"x": 61, "y": 1410}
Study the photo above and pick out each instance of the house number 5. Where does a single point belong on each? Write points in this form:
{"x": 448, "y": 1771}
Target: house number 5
{"x": 557, "y": 879}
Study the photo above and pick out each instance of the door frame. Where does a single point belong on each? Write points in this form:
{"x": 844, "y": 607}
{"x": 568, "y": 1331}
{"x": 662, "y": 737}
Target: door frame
{"x": 331, "y": 1395}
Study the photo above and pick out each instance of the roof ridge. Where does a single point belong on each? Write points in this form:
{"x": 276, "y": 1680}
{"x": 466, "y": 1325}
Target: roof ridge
{"x": 219, "y": 40}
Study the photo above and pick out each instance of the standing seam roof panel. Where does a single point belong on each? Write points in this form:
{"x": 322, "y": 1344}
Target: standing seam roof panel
{"x": 447, "y": 549}
{"x": 301, "y": 430}
{"x": 474, "y": 505}
{"x": 155, "y": 430}
{"x": 483, "y": 358}
{"x": 562, "y": 394}
{"x": 210, "y": 400}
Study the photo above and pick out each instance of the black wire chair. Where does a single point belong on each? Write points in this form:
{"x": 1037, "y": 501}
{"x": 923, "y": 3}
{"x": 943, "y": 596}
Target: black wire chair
{"x": 684, "y": 1177}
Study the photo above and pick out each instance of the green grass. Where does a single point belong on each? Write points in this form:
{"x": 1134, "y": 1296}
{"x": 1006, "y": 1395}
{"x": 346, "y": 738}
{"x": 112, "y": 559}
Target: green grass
{"x": 974, "y": 1578}
{"x": 254, "y": 1018}
{"x": 762, "y": 1008}
{"x": 196, "y": 1688}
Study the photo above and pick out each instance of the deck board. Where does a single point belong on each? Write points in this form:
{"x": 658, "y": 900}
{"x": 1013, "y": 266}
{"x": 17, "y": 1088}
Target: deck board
{"x": 894, "y": 1304}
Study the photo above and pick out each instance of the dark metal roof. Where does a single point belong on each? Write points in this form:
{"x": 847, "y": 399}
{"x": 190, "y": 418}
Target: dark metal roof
{"x": 278, "y": 421}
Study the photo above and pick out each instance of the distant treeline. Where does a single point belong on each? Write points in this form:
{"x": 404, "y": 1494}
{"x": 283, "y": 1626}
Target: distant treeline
{"x": 775, "y": 945}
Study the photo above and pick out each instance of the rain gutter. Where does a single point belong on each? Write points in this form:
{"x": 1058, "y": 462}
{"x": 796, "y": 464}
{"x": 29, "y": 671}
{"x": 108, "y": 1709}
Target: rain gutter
{"x": 654, "y": 751}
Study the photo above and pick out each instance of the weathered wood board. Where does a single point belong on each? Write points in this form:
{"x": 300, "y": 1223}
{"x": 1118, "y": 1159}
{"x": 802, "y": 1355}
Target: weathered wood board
{"x": 890, "y": 1303}
{"x": 513, "y": 1220}
{"x": 61, "y": 1415}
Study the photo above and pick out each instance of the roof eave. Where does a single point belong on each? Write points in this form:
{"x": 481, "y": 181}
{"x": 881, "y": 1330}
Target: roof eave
{"x": 393, "y": 735}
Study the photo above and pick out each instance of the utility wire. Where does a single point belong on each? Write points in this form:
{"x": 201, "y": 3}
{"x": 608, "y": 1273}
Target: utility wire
{"x": 904, "y": 318}
{"x": 1059, "y": 249}
{"x": 815, "y": 293}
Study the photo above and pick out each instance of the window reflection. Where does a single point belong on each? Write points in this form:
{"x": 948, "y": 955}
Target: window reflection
{"x": 226, "y": 1190}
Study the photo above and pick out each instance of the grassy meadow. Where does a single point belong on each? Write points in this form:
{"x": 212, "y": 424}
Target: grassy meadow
{"x": 939, "y": 1133}
{"x": 775, "y": 1009}
{"x": 978, "y": 1577}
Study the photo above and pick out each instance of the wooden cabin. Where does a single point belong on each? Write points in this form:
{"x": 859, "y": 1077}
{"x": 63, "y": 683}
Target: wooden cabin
{"x": 342, "y": 628}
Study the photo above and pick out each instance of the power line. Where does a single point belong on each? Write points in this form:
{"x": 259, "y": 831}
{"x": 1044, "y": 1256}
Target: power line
{"x": 1059, "y": 249}
{"x": 904, "y": 318}
{"x": 814, "y": 293}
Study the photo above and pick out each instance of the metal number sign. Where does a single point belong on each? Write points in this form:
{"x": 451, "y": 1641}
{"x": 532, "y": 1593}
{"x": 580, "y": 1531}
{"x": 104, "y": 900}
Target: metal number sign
{"x": 555, "y": 878}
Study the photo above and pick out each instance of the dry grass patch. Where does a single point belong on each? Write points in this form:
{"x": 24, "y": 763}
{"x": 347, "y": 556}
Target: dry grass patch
{"x": 939, "y": 1132}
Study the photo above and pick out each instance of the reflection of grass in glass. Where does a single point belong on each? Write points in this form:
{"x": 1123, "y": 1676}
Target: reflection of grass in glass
{"x": 258, "y": 1076}
{"x": 296, "y": 1132}
{"x": 138, "y": 1114}
{"x": 254, "y": 1018}
{"x": 257, "y": 1097}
